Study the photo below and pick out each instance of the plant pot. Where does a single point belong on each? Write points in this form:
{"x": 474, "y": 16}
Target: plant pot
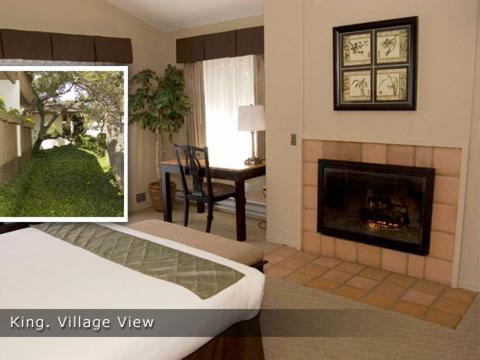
{"x": 156, "y": 194}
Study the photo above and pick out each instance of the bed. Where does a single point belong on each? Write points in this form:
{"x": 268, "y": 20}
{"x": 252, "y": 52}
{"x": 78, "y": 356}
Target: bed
{"x": 41, "y": 270}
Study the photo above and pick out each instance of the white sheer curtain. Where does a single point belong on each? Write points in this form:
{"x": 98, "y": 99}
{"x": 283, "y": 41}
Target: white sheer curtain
{"x": 229, "y": 83}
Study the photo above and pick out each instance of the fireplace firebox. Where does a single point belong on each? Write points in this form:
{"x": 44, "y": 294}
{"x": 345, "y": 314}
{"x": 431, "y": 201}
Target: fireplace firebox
{"x": 382, "y": 205}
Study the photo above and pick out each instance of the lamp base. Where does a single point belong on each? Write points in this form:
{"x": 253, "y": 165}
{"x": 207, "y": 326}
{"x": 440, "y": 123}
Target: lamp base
{"x": 253, "y": 161}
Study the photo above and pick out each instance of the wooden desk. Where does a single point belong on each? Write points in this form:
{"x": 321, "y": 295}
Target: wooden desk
{"x": 234, "y": 172}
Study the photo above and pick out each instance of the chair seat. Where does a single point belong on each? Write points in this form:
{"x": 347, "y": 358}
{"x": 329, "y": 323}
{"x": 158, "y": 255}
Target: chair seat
{"x": 220, "y": 189}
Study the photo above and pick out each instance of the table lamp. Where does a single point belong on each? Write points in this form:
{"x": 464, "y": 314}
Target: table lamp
{"x": 251, "y": 118}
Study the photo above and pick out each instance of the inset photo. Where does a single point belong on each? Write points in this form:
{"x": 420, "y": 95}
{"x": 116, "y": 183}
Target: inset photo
{"x": 63, "y": 143}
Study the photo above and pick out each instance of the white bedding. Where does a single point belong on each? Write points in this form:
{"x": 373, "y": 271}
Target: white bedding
{"x": 38, "y": 271}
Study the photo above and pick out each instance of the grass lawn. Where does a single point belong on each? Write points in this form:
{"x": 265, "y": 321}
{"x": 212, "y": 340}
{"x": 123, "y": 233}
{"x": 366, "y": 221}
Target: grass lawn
{"x": 63, "y": 182}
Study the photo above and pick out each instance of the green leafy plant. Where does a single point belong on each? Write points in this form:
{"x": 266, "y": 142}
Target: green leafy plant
{"x": 159, "y": 104}
{"x": 2, "y": 104}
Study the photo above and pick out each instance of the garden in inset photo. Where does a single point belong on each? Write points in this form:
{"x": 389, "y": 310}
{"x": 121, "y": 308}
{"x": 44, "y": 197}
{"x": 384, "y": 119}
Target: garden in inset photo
{"x": 62, "y": 144}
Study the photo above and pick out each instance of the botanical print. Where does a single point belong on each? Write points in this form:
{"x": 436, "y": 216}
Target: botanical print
{"x": 391, "y": 84}
{"x": 356, "y": 49}
{"x": 392, "y": 46}
{"x": 357, "y": 86}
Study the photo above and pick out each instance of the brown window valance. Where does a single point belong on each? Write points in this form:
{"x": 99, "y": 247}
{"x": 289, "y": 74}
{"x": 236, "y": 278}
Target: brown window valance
{"x": 240, "y": 42}
{"x": 34, "y": 45}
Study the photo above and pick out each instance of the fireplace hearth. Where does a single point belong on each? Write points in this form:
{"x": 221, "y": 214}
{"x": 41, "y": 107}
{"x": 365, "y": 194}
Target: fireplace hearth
{"x": 383, "y": 205}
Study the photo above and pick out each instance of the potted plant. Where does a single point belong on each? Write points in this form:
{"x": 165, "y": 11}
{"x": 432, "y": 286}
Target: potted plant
{"x": 159, "y": 104}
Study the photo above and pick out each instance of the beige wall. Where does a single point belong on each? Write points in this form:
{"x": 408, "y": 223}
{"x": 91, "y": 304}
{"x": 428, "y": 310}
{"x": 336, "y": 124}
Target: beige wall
{"x": 254, "y": 186}
{"x": 97, "y": 17}
{"x": 299, "y": 61}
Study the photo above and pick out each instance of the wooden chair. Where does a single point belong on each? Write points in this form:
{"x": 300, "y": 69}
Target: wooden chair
{"x": 200, "y": 188}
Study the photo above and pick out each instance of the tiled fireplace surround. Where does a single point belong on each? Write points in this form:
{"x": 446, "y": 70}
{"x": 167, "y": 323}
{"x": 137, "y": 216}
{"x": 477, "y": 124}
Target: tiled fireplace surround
{"x": 437, "y": 266}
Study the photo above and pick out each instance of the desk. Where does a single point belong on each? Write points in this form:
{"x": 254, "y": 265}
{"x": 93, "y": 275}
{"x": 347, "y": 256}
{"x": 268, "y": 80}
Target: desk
{"x": 234, "y": 172}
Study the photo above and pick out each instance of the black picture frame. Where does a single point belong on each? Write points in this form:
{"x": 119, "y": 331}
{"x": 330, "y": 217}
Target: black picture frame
{"x": 428, "y": 174}
{"x": 403, "y": 95}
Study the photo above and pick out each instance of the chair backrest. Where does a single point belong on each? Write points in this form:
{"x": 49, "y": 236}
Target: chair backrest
{"x": 193, "y": 163}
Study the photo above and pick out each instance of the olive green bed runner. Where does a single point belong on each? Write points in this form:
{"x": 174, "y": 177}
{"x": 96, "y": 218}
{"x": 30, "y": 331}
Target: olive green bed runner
{"x": 203, "y": 277}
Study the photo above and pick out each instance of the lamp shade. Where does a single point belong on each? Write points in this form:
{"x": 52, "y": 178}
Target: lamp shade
{"x": 251, "y": 118}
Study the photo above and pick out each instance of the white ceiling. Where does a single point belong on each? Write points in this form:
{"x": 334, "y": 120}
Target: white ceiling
{"x": 169, "y": 15}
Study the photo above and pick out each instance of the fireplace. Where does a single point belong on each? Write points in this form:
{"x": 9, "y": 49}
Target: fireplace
{"x": 382, "y": 205}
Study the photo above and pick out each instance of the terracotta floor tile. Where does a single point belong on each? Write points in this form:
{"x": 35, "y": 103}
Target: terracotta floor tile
{"x": 338, "y": 276}
{"x": 409, "y": 308}
{"x": 443, "y": 318}
{"x": 277, "y": 272}
{"x": 327, "y": 261}
{"x": 389, "y": 290}
{"x": 300, "y": 278}
{"x": 350, "y": 267}
{"x": 418, "y": 297}
{"x": 350, "y": 292}
{"x": 324, "y": 284}
{"x": 380, "y": 301}
{"x": 451, "y": 306}
{"x": 313, "y": 269}
{"x": 273, "y": 259}
{"x": 290, "y": 263}
{"x": 399, "y": 280}
{"x": 362, "y": 282}
{"x": 460, "y": 295}
{"x": 374, "y": 273}
{"x": 284, "y": 251}
{"x": 304, "y": 256}
{"x": 428, "y": 287}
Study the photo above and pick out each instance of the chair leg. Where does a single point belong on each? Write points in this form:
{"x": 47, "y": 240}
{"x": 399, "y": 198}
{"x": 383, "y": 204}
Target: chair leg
{"x": 209, "y": 217}
{"x": 186, "y": 204}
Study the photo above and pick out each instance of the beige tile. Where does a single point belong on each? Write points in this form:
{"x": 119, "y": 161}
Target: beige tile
{"x": 313, "y": 269}
{"x": 369, "y": 255}
{"x": 362, "y": 282}
{"x": 438, "y": 270}
{"x": 400, "y": 155}
{"x": 350, "y": 292}
{"x": 374, "y": 153}
{"x": 374, "y": 273}
{"x": 290, "y": 263}
{"x": 446, "y": 190}
{"x": 395, "y": 261}
{"x": 346, "y": 250}
{"x": 409, "y": 308}
{"x": 273, "y": 258}
{"x": 309, "y": 220}
{"x": 328, "y": 245}
{"x": 324, "y": 284}
{"x": 418, "y": 297}
{"x": 338, "y": 276}
{"x": 277, "y": 272}
{"x": 451, "y": 306}
{"x": 349, "y": 151}
{"x": 444, "y": 218}
{"x": 327, "y": 261}
{"x": 447, "y": 161}
{"x": 391, "y": 290}
{"x": 460, "y": 295}
{"x": 442, "y": 245}
{"x": 423, "y": 156}
{"x": 300, "y": 278}
{"x": 399, "y": 280}
{"x": 310, "y": 174}
{"x": 311, "y": 242}
{"x": 330, "y": 150}
{"x": 350, "y": 267}
{"x": 284, "y": 251}
{"x": 443, "y": 318}
{"x": 380, "y": 301}
{"x": 416, "y": 266}
{"x": 428, "y": 287}
{"x": 310, "y": 197}
{"x": 312, "y": 150}
{"x": 304, "y": 256}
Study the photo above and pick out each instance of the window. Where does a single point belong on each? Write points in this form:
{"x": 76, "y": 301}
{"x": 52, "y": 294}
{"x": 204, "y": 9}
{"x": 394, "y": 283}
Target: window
{"x": 228, "y": 84}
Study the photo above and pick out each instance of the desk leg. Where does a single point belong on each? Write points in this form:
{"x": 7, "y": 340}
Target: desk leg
{"x": 167, "y": 201}
{"x": 240, "y": 210}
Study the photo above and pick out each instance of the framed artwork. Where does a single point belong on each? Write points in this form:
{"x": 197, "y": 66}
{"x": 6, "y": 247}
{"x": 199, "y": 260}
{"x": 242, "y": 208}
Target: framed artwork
{"x": 375, "y": 65}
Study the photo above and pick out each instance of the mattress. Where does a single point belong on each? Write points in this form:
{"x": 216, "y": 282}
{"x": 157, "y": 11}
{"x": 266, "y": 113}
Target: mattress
{"x": 39, "y": 271}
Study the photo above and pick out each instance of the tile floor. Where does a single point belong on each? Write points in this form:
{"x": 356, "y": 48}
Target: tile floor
{"x": 423, "y": 299}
